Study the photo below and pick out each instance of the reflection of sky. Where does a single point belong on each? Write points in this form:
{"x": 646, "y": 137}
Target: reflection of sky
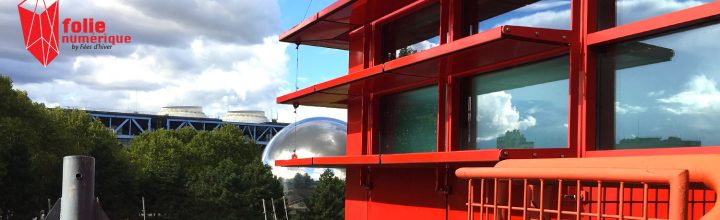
{"x": 422, "y": 45}
{"x": 677, "y": 98}
{"x": 545, "y": 14}
{"x": 311, "y": 137}
{"x": 539, "y": 111}
{"x": 635, "y": 10}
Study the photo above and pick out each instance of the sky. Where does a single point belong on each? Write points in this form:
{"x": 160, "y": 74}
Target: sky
{"x": 221, "y": 55}
{"x": 225, "y": 55}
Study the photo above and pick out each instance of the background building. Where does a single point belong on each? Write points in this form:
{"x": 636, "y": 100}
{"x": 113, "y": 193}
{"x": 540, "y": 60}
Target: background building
{"x": 254, "y": 124}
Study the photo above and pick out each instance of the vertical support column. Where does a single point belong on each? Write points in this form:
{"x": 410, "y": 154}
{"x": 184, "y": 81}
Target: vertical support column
{"x": 78, "y": 188}
{"x": 598, "y": 87}
{"x": 453, "y": 84}
{"x": 578, "y": 121}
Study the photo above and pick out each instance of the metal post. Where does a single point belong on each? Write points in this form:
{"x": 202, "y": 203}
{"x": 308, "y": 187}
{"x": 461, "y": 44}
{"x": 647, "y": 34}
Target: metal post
{"x": 78, "y": 188}
{"x": 143, "y": 205}
{"x": 264, "y": 210}
{"x": 272, "y": 201}
{"x": 285, "y": 207}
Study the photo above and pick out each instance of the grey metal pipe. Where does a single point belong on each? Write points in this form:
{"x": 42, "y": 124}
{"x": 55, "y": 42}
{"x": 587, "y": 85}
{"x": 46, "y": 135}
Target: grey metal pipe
{"x": 78, "y": 188}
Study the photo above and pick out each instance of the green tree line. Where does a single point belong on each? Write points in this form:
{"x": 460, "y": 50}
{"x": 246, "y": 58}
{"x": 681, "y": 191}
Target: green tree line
{"x": 181, "y": 174}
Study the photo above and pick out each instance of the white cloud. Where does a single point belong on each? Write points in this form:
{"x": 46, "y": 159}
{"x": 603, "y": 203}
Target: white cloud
{"x": 423, "y": 45}
{"x": 218, "y": 76}
{"x": 701, "y": 96}
{"x": 622, "y": 108}
{"x": 544, "y": 19}
{"x": 634, "y": 10}
{"x": 656, "y": 93}
{"x": 496, "y": 115}
{"x": 287, "y": 113}
{"x": 627, "y": 10}
{"x": 545, "y": 5}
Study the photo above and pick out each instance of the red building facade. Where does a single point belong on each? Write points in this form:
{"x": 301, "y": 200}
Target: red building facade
{"x": 522, "y": 109}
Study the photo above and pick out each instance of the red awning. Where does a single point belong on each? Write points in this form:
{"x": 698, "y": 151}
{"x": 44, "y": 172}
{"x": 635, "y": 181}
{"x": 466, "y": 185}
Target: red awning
{"x": 327, "y": 28}
{"x": 490, "y": 47}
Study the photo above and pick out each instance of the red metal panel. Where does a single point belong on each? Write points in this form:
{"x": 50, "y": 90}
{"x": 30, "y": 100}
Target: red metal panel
{"x": 405, "y": 193}
{"x": 441, "y": 157}
{"x": 331, "y": 161}
{"x": 327, "y": 28}
{"x": 673, "y": 20}
{"x": 356, "y": 57}
{"x": 396, "y": 159}
{"x": 302, "y": 162}
{"x": 354, "y": 140}
{"x": 346, "y": 160}
{"x": 356, "y": 196}
{"x": 655, "y": 151}
{"x": 461, "y": 55}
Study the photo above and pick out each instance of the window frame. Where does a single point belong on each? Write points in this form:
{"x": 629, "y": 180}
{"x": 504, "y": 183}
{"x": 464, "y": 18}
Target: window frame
{"x": 449, "y": 83}
{"x": 378, "y": 25}
{"x": 668, "y": 23}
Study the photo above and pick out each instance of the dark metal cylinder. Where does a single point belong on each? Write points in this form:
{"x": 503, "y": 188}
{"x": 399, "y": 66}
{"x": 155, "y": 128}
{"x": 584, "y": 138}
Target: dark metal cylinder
{"x": 78, "y": 188}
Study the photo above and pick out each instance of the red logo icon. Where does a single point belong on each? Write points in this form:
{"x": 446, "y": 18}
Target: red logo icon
{"x": 39, "y": 20}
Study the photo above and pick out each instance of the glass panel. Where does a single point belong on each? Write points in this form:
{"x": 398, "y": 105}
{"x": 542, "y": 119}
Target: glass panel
{"x": 660, "y": 92}
{"x": 408, "y": 121}
{"x": 411, "y": 34}
{"x": 521, "y": 107}
{"x": 481, "y": 15}
{"x": 618, "y": 12}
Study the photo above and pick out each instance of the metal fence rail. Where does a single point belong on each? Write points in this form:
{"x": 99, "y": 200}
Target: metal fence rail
{"x": 543, "y": 192}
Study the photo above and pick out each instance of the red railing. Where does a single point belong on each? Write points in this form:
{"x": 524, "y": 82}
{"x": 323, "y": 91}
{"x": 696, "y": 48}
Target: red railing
{"x": 588, "y": 189}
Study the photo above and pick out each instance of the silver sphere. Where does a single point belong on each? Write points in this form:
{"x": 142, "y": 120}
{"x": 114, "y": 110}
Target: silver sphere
{"x": 311, "y": 137}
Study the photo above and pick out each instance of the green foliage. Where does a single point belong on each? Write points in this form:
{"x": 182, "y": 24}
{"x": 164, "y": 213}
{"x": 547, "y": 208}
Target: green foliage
{"x": 182, "y": 174}
{"x": 188, "y": 174}
{"x": 406, "y": 51}
{"x": 327, "y": 201}
{"x": 34, "y": 139}
{"x": 302, "y": 185}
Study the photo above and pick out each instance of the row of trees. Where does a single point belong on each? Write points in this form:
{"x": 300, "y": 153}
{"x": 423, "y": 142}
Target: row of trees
{"x": 182, "y": 174}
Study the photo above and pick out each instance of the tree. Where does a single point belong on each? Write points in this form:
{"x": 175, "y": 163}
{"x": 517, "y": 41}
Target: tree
{"x": 33, "y": 142}
{"x": 406, "y": 51}
{"x": 183, "y": 174}
{"x": 159, "y": 159}
{"x": 190, "y": 174}
{"x": 328, "y": 199}
{"x": 302, "y": 186}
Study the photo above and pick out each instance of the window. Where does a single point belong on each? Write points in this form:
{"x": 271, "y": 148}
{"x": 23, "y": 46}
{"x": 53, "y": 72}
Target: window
{"x": 660, "y": 92}
{"x": 481, "y": 15}
{"x": 408, "y": 121}
{"x": 613, "y": 13}
{"x": 521, "y": 107}
{"x": 411, "y": 34}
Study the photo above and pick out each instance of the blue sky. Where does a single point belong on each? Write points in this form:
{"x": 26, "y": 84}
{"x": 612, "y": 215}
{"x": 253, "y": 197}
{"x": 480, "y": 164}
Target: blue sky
{"x": 218, "y": 54}
{"x": 316, "y": 64}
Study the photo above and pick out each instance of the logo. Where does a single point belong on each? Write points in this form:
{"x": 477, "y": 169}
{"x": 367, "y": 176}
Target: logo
{"x": 40, "y": 25}
{"x": 39, "y": 21}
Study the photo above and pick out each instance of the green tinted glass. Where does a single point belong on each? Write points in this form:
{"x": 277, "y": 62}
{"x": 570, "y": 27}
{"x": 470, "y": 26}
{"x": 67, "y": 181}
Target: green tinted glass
{"x": 408, "y": 121}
